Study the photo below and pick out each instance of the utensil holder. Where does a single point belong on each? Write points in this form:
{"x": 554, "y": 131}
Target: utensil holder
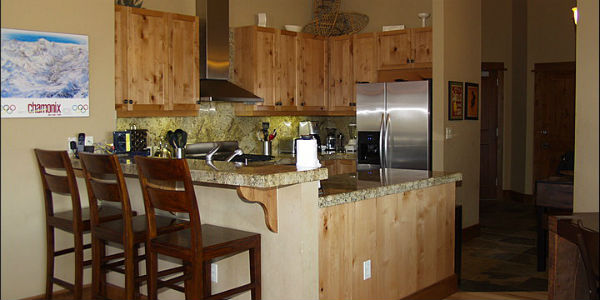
{"x": 266, "y": 147}
{"x": 178, "y": 153}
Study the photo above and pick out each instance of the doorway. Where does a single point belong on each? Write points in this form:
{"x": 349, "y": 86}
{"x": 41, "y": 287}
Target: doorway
{"x": 492, "y": 103}
{"x": 554, "y": 116}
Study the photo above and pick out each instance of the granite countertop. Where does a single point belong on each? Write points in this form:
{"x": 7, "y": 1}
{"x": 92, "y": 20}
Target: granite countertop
{"x": 258, "y": 174}
{"x": 345, "y": 188}
{"x": 321, "y": 156}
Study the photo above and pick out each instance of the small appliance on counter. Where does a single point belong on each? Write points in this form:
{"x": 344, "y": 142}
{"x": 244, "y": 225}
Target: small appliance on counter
{"x": 351, "y": 147}
{"x": 286, "y": 146}
{"x": 132, "y": 142}
{"x": 331, "y": 140}
{"x": 308, "y": 128}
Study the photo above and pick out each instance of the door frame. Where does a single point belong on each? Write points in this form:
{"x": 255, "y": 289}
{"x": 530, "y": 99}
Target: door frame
{"x": 499, "y": 68}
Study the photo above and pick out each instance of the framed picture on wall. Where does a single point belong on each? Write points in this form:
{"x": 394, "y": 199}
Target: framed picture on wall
{"x": 471, "y": 101}
{"x": 455, "y": 100}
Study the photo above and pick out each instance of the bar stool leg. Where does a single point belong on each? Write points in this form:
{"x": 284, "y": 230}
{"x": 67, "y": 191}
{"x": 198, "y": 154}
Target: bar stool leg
{"x": 49, "y": 261}
{"x": 129, "y": 272}
{"x": 254, "y": 253}
{"x": 193, "y": 286}
{"x": 207, "y": 279}
{"x": 78, "y": 285}
{"x": 97, "y": 258}
{"x": 151, "y": 270}
{"x": 136, "y": 271}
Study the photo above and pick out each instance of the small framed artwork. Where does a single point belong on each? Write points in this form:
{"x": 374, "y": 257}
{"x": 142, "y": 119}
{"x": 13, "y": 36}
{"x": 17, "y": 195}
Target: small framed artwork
{"x": 455, "y": 100}
{"x": 471, "y": 101}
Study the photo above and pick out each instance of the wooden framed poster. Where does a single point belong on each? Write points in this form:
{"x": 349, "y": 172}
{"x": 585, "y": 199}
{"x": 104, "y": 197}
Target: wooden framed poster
{"x": 455, "y": 100}
{"x": 471, "y": 101}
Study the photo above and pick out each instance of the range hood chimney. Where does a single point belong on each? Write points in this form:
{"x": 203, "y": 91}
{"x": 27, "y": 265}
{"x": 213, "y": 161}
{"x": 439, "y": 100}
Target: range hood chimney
{"x": 214, "y": 55}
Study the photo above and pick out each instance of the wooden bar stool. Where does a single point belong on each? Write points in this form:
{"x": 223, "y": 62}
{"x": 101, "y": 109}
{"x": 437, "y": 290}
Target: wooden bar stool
{"x": 58, "y": 178}
{"x": 197, "y": 244}
{"x": 105, "y": 181}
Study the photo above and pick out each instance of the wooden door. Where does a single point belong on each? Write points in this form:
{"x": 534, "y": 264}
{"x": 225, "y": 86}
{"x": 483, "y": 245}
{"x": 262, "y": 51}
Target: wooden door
{"x": 287, "y": 71}
{"x": 184, "y": 81}
{"x": 121, "y": 58}
{"x": 341, "y": 79}
{"x": 421, "y": 43}
{"x": 394, "y": 49}
{"x": 344, "y": 166}
{"x": 364, "y": 55}
{"x": 554, "y": 116}
{"x": 313, "y": 73}
{"x": 147, "y": 59}
{"x": 489, "y": 172}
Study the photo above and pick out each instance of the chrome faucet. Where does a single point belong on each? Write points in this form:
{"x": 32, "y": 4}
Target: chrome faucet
{"x": 212, "y": 152}
{"x": 235, "y": 153}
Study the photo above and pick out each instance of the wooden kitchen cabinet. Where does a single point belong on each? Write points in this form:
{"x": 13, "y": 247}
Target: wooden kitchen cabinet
{"x": 287, "y": 76}
{"x": 312, "y": 91}
{"x": 401, "y": 49}
{"x": 364, "y": 55}
{"x": 255, "y": 64}
{"x": 344, "y": 166}
{"x": 341, "y": 74}
{"x": 156, "y": 63}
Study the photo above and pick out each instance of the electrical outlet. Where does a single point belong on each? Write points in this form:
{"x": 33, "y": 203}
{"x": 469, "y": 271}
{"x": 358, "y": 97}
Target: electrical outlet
{"x": 366, "y": 269}
{"x": 214, "y": 273}
{"x": 89, "y": 140}
{"x": 69, "y": 140}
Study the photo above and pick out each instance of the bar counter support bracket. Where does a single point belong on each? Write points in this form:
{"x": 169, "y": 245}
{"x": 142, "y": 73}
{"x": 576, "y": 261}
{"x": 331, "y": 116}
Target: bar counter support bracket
{"x": 266, "y": 198}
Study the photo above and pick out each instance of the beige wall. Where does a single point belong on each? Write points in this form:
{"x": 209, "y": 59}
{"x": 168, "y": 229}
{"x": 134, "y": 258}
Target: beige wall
{"x": 496, "y": 46}
{"x": 184, "y": 7}
{"x": 281, "y": 12}
{"x": 586, "y": 109}
{"x": 23, "y": 238}
{"x": 550, "y": 38}
{"x": 458, "y": 37}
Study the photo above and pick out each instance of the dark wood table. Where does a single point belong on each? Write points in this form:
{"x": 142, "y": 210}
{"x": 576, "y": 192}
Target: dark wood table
{"x": 554, "y": 196}
{"x": 566, "y": 274}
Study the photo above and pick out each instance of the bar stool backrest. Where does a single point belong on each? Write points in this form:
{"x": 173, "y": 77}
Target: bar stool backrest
{"x": 159, "y": 178}
{"x": 59, "y": 184}
{"x": 105, "y": 182}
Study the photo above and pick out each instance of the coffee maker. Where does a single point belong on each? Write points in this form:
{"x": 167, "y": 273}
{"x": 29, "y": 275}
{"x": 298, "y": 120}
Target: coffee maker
{"x": 309, "y": 128}
{"x": 331, "y": 140}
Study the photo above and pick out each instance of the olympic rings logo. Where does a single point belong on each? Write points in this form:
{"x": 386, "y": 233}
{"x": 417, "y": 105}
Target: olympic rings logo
{"x": 81, "y": 108}
{"x": 8, "y": 108}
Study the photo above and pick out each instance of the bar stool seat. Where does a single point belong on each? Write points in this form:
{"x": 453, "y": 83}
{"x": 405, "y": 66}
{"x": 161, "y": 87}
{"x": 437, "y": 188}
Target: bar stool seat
{"x": 214, "y": 239}
{"x": 113, "y": 230}
{"x": 64, "y": 219}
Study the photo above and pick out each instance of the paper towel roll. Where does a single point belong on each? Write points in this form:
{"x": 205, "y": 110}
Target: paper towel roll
{"x": 306, "y": 155}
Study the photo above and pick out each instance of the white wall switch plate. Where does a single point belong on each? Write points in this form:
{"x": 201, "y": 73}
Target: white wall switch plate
{"x": 449, "y": 133}
{"x": 89, "y": 140}
{"x": 214, "y": 273}
{"x": 366, "y": 269}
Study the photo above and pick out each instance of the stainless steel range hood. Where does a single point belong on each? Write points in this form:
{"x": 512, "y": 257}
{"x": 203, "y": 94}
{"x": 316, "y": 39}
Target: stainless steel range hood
{"x": 214, "y": 55}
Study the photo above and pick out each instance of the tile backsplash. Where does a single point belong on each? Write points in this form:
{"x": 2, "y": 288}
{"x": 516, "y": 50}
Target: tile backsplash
{"x": 217, "y": 122}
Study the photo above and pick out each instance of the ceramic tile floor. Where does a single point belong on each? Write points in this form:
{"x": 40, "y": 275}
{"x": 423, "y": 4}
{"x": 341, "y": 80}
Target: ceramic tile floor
{"x": 503, "y": 257}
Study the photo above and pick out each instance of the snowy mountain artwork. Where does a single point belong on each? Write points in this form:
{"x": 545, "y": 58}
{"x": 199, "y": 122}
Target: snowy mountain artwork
{"x": 44, "y": 74}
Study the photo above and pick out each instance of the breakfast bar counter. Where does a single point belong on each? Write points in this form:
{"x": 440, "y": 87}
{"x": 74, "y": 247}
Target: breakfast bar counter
{"x": 319, "y": 233}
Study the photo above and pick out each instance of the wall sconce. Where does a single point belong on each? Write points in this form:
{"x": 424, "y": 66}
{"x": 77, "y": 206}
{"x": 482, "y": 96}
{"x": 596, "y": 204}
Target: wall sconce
{"x": 574, "y": 9}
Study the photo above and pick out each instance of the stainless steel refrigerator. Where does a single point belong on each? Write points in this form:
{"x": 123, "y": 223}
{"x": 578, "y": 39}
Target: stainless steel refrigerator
{"x": 393, "y": 120}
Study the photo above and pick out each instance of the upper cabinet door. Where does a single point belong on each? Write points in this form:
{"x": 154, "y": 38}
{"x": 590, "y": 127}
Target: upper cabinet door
{"x": 264, "y": 85}
{"x": 313, "y": 73}
{"x": 341, "y": 79}
{"x": 394, "y": 49}
{"x": 287, "y": 73}
{"x": 184, "y": 81}
{"x": 121, "y": 97}
{"x": 365, "y": 57}
{"x": 421, "y": 41}
{"x": 147, "y": 57}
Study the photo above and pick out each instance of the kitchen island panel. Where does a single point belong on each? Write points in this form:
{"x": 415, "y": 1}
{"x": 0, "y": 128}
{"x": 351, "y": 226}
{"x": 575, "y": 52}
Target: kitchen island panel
{"x": 408, "y": 237}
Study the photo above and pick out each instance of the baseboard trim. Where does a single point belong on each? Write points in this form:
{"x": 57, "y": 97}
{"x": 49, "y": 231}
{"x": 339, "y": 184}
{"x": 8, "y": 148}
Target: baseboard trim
{"x": 471, "y": 232}
{"x": 516, "y": 196}
{"x": 438, "y": 290}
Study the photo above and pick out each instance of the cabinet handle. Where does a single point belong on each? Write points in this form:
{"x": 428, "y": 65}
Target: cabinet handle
{"x": 362, "y": 82}
{"x": 302, "y": 104}
{"x": 198, "y": 102}
{"x": 408, "y": 61}
{"x": 125, "y": 101}
{"x": 130, "y": 101}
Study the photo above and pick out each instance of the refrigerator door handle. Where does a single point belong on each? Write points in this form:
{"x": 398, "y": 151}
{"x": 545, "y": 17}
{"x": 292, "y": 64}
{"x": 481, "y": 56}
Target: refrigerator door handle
{"x": 386, "y": 138}
{"x": 381, "y": 143}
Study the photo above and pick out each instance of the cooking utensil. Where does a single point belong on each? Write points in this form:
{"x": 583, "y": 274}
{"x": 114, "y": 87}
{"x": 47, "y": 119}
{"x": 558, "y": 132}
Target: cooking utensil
{"x": 180, "y": 138}
{"x": 169, "y": 138}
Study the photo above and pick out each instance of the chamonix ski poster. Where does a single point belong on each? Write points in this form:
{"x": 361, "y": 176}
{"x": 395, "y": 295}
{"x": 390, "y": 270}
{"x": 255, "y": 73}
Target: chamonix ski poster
{"x": 44, "y": 74}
